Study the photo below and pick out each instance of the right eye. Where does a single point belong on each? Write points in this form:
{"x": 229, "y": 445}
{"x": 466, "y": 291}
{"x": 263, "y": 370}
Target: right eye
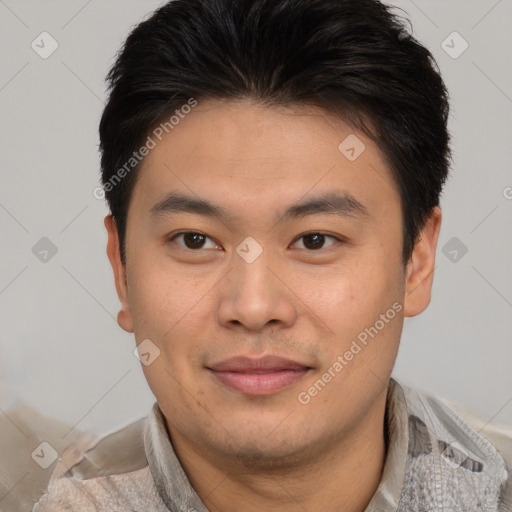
{"x": 192, "y": 240}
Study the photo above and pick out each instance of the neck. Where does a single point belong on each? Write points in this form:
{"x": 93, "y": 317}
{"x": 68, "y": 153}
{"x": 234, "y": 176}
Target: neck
{"x": 342, "y": 476}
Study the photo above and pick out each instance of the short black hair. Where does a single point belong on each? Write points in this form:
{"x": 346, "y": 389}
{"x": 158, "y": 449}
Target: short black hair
{"x": 354, "y": 58}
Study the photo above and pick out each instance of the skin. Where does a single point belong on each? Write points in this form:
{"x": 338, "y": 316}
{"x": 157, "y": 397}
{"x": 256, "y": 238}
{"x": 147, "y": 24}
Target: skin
{"x": 201, "y": 306}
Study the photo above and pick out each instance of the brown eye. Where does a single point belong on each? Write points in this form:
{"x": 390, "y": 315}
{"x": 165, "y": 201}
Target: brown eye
{"x": 315, "y": 241}
{"x": 192, "y": 240}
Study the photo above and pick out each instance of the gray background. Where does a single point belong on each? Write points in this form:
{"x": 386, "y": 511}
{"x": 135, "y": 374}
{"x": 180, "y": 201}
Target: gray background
{"x": 61, "y": 349}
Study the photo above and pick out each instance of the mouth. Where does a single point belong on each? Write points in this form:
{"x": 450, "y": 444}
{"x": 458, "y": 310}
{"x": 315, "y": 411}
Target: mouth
{"x": 258, "y": 377}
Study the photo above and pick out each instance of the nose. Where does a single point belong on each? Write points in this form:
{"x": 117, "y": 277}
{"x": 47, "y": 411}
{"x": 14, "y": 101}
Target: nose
{"x": 256, "y": 294}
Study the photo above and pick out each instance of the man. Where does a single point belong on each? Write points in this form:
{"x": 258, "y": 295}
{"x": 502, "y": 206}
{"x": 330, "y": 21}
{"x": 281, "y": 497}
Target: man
{"x": 273, "y": 170}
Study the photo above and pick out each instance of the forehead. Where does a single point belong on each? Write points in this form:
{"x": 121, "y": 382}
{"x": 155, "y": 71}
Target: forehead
{"x": 242, "y": 152}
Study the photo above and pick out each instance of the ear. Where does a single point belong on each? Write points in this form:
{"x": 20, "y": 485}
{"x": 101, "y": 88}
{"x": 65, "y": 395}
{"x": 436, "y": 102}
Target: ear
{"x": 124, "y": 317}
{"x": 420, "y": 267}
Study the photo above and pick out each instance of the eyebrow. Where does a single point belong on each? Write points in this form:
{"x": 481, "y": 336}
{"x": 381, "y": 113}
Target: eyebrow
{"x": 344, "y": 205}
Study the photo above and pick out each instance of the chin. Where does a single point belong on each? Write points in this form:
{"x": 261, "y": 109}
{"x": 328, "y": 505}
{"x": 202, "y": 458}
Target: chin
{"x": 266, "y": 456}
{"x": 267, "y": 447}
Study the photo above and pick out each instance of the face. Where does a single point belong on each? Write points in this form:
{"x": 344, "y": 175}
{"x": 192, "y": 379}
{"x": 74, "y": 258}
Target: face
{"x": 263, "y": 264}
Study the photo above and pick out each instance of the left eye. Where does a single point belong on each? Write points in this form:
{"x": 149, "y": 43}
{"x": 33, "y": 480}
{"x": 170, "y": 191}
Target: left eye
{"x": 315, "y": 241}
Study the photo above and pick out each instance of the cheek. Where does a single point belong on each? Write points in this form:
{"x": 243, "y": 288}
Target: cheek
{"x": 171, "y": 311}
{"x": 157, "y": 300}
{"x": 350, "y": 291}
{"x": 350, "y": 304}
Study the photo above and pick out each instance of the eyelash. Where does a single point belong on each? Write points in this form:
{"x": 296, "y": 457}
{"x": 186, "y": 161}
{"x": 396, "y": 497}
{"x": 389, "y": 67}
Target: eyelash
{"x": 337, "y": 239}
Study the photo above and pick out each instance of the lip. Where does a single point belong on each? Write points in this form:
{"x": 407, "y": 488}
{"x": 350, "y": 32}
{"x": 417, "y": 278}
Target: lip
{"x": 259, "y": 376}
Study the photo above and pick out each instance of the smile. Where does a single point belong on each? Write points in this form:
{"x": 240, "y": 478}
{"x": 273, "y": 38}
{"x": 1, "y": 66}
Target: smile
{"x": 258, "y": 377}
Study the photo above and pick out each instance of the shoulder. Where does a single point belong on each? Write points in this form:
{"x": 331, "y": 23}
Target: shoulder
{"x": 499, "y": 435}
{"x": 120, "y": 451}
{"x": 102, "y": 473}
{"x": 30, "y": 446}
{"x": 43, "y": 458}
{"x": 461, "y": 438}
